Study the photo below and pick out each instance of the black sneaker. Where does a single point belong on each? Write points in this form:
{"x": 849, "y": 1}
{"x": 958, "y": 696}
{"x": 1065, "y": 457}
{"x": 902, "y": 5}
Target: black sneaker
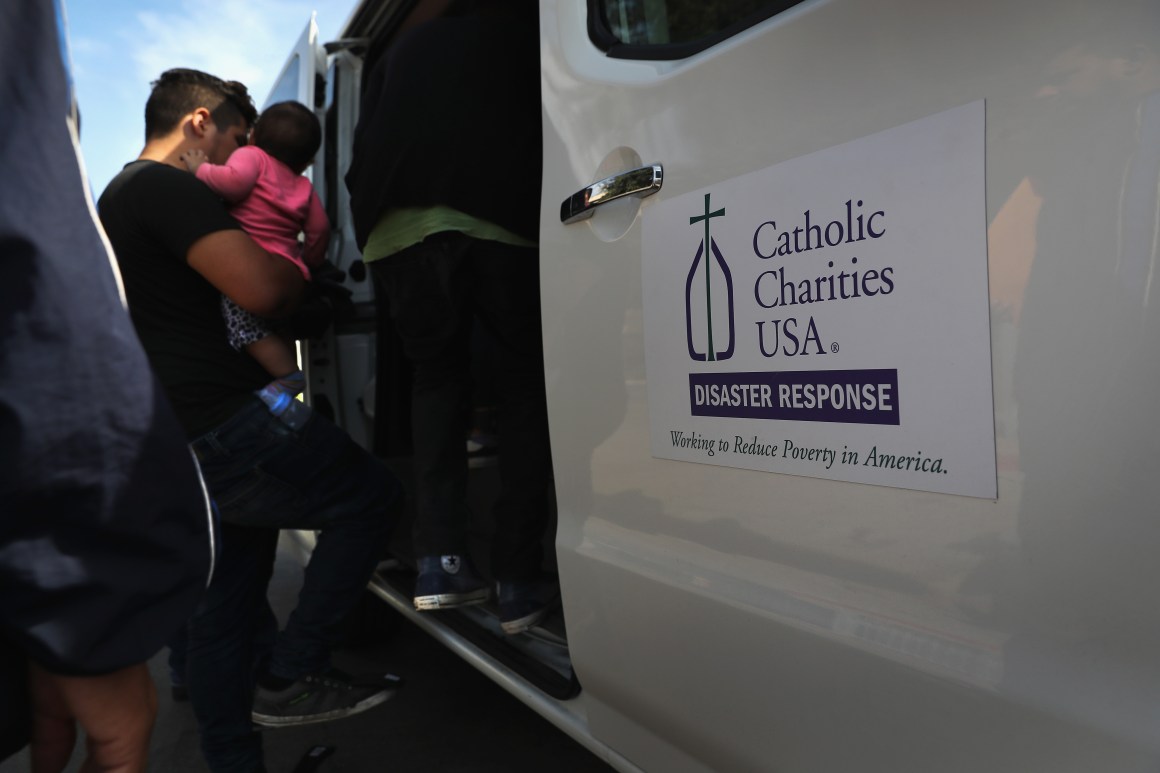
{"x": 318, "y": 698}
{"x": 524, "y": 604}
{"x": 448, "y": 581}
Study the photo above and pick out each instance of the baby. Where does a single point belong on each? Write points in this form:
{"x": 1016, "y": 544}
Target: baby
{"x": 268, "y": 196}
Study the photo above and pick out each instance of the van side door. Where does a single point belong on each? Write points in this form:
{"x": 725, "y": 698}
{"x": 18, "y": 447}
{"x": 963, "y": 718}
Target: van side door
{"x": 834, "y": 293}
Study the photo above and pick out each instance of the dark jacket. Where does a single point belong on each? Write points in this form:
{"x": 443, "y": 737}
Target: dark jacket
{"x": 451, "y": 115}
{"x": 104, "y": 529}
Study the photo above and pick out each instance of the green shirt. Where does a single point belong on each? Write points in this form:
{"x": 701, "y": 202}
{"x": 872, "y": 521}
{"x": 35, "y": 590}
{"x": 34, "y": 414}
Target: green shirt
{"x": 401, "y": 228}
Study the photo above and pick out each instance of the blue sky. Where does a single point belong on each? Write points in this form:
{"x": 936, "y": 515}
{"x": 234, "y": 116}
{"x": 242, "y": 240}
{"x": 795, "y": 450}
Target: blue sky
{"x": 120, "y": 46}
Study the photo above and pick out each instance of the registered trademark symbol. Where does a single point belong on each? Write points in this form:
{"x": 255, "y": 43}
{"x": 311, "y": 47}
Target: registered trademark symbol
{"x": 834, "y": 347}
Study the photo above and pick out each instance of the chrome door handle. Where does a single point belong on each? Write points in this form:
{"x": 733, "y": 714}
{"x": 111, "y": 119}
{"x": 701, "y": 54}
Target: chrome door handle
{"x": 639, "y": 182}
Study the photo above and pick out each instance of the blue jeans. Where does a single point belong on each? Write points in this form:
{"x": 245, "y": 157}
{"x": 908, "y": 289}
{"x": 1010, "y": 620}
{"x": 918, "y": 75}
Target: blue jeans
{"x": 264, "y": 476}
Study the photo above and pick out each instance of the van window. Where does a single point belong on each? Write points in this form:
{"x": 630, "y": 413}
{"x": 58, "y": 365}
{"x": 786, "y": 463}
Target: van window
{"x": 672, "y": 29}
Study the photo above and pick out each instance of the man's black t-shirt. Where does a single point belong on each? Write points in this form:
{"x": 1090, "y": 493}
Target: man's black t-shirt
{"x": 153, "y": 214}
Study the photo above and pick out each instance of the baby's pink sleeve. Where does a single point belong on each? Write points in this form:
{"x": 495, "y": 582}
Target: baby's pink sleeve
{"x": 316, "y": 230}
{"x": 234, "y": 179}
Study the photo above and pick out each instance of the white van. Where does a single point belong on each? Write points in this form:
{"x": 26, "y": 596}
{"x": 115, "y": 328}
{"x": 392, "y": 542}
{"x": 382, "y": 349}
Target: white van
{"x": 852, "y": 331}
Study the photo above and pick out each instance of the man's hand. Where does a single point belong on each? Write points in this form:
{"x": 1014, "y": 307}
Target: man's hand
{"x": 193, "y": 158}
{"x": 116, "y": 712}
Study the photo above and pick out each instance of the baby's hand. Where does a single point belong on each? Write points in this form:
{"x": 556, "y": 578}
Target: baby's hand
{"x": 193, "y": 158}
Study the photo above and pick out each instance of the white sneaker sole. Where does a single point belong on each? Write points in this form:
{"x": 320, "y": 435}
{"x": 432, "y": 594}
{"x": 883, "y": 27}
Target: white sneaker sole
{"x": 451, "y": 600}
{"x": 512, "y": 627}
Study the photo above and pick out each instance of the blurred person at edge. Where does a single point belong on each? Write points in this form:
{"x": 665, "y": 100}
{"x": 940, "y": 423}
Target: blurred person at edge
{"x": 105, "y": 536}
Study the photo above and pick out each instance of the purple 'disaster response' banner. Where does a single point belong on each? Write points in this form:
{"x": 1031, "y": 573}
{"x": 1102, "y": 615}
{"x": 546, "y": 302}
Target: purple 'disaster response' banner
{"x": 845, "y": 396}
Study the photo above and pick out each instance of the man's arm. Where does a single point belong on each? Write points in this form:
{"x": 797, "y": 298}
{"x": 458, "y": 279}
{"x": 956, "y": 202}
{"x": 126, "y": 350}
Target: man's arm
{"x": 259, "y": 282}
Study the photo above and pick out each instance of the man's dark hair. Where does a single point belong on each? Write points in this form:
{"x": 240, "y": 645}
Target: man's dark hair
{"x": 290, "y": 132}
{"x": 180, "y": 91}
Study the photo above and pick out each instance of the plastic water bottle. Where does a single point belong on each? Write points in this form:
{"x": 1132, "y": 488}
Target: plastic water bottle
{"x": 293, "y": 412}
{"x": 296, "y": 414}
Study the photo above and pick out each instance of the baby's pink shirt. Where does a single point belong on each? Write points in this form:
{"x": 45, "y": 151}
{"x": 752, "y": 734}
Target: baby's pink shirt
{"x": 272, "y": 204}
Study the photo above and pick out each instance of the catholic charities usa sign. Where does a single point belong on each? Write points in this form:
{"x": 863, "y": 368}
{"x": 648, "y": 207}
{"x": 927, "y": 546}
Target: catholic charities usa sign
{"x": 828, "y": 316}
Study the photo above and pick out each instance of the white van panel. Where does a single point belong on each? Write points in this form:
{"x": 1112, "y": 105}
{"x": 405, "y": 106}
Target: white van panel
{"x": 356, "y": 363}
{"x": 759, "y": 621}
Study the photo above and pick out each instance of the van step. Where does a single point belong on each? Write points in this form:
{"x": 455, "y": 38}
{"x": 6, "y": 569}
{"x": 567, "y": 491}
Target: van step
{"x": 539, "y": 655}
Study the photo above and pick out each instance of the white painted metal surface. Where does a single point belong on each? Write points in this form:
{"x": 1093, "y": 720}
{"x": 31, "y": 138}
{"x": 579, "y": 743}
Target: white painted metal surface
{"x": 296, "y": 81}
{"x": 728, "y": 619}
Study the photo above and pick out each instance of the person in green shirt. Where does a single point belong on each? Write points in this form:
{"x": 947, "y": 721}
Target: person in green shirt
{"x": 449, "y": 246}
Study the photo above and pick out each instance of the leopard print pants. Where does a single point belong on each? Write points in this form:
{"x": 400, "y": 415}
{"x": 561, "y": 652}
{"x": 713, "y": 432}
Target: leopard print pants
{"x": 243, "y": 327}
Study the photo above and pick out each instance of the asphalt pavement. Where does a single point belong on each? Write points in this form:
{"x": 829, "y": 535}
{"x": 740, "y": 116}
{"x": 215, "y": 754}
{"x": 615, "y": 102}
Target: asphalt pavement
{"x": 447, "y": 718}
